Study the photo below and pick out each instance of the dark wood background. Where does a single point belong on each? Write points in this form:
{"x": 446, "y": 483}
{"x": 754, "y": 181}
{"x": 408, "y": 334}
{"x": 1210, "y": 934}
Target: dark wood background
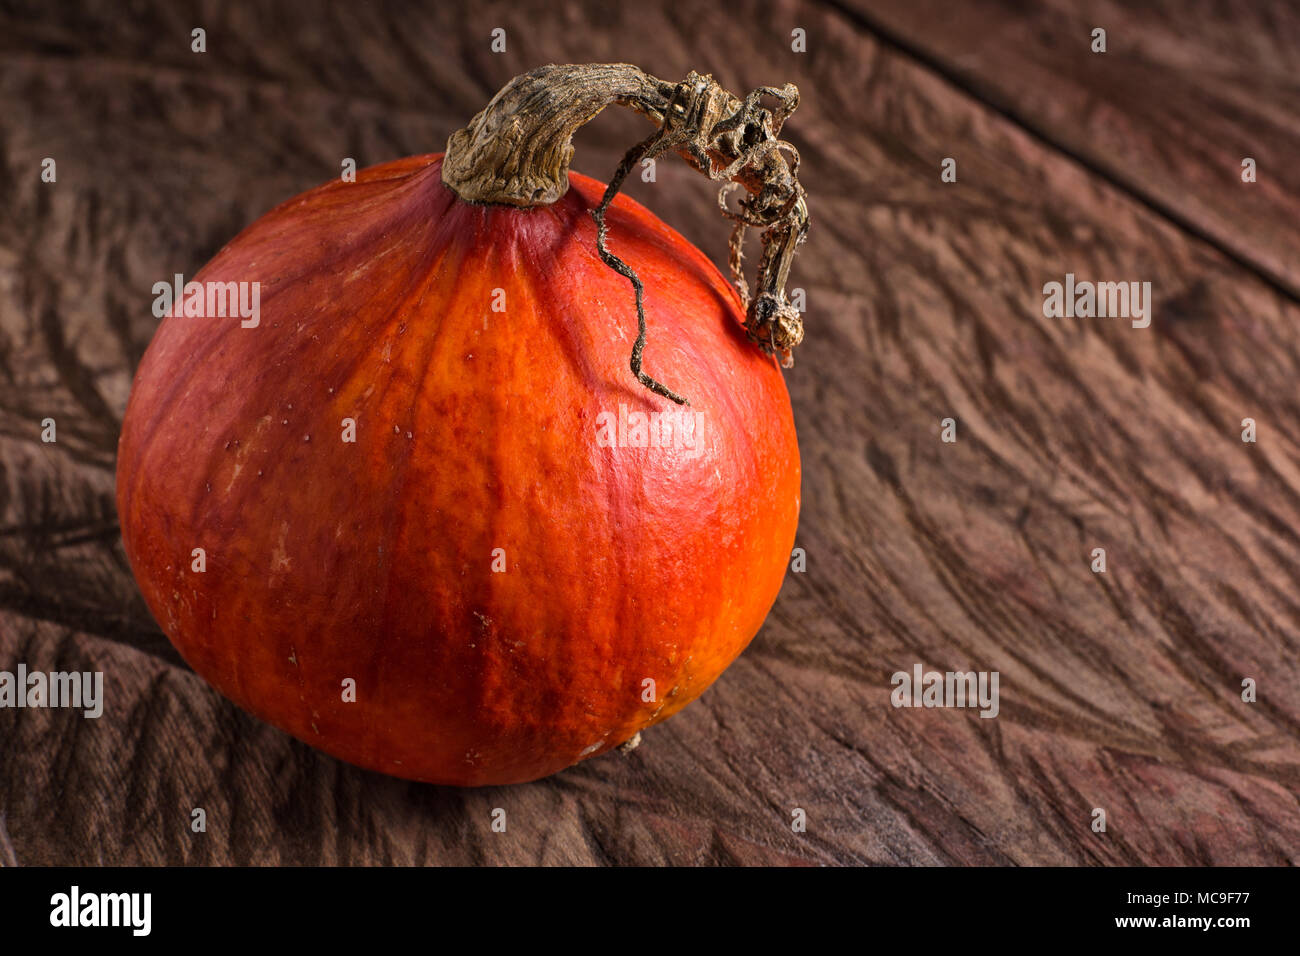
{"x": 1119, "y": 691}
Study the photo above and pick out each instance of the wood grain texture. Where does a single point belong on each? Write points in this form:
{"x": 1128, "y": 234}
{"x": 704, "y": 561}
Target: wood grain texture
{"x": 1119, "y": 691}
{"x": 1183, "y": 93}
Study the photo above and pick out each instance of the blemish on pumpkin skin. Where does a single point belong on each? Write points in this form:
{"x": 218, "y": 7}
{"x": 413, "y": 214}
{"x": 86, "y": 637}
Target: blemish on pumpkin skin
{"x": 280, "y": 557}
{"x": 233, "y": 475}
{"x": 664, "y": 703}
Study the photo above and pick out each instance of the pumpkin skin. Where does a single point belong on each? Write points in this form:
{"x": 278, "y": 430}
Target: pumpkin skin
{"x": 475, "y": 430}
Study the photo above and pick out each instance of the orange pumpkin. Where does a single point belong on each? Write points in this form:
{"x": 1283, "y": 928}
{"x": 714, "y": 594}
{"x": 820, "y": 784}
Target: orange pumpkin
{"x": 444, "y": 534}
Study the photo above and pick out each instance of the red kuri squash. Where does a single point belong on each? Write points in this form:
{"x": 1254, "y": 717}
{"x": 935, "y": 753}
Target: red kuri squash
{"x": 420, "y": 515}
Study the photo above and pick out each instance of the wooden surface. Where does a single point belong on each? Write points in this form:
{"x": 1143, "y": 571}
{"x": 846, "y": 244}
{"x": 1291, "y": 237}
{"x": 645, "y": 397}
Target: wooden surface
{"x": 1119, "y": 690}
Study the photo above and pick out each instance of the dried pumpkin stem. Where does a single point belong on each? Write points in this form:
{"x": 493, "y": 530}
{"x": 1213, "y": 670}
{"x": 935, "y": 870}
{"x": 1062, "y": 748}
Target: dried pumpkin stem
{"x": 518, "y": 149}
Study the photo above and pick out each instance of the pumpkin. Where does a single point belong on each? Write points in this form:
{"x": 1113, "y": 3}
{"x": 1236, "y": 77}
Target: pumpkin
{"x": 418, "y": 514}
